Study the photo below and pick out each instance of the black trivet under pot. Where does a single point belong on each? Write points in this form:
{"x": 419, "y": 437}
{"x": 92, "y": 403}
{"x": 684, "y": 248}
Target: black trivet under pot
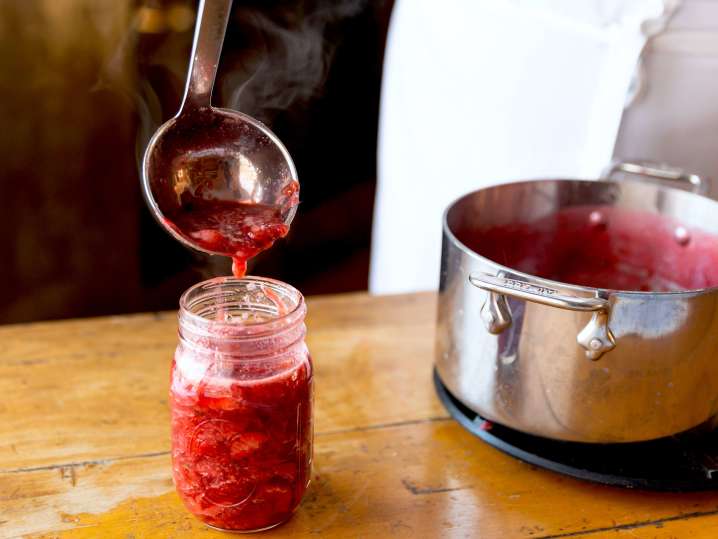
{"x": 678, "y": 463}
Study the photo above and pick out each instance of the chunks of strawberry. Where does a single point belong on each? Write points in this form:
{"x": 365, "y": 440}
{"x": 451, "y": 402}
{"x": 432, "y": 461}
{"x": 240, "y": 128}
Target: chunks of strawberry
{"x": 246, "y": 444}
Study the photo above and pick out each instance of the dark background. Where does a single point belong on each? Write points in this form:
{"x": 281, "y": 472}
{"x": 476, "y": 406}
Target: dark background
{"x": 84, "y": 83}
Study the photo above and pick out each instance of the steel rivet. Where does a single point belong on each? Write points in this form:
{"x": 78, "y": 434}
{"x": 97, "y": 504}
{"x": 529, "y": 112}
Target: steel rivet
{"x": 595, "y": 344}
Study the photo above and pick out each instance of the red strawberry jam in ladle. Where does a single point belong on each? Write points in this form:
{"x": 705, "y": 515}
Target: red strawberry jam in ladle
{"x": 218, "y": 180}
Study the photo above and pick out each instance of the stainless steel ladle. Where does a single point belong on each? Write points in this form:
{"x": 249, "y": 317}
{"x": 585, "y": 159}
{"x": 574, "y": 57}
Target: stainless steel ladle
{"x": 212, "y": 153}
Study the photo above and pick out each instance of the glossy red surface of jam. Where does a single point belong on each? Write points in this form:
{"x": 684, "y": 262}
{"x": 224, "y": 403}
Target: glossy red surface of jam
{"x": 604, "y": 247}
{"x": 239, "y": 230}
{"x": 242, "y": 442}
{"x": 234, "y": 229}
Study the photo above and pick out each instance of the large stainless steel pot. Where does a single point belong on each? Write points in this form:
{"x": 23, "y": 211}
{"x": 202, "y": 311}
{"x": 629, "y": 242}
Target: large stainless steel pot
{"x": 573, "y": 362}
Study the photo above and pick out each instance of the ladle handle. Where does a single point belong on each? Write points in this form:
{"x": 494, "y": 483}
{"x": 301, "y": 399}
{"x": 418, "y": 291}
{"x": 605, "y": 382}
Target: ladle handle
{"x": 209, "y": 30}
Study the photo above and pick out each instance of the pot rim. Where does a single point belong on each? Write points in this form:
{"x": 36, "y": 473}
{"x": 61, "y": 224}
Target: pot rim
{"x": 693, "y": 292}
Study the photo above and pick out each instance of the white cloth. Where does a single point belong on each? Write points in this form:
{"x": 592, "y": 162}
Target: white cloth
{"x": 479, "y": 92}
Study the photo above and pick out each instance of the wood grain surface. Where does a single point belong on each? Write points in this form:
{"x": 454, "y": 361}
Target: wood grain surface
{"x": 84, "y": 441}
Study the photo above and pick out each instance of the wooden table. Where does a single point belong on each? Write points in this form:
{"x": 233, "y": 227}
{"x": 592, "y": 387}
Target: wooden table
{"x": 84, "y": 444}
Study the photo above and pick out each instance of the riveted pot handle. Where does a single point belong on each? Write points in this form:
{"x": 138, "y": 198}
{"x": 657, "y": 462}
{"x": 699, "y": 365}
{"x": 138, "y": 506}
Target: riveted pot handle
{"x": 537, "y": 293}
{"x": 653, "y": 171}
{"x": 596, "y": 338}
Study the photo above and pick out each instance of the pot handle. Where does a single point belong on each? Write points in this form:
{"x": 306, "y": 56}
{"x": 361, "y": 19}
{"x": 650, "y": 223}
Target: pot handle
{"x": 679, "y": 177}
{"x": 596, "y": 338}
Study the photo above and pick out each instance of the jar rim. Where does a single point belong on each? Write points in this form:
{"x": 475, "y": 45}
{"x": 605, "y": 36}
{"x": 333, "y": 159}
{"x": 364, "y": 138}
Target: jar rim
{"x": 294, "y": 313}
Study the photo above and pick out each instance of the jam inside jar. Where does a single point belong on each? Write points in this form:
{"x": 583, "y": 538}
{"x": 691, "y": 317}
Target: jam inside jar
{"x": 241, "y": 403}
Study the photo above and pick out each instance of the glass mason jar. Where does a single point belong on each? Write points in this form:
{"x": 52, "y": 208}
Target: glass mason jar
{"x": 241, "y": 403}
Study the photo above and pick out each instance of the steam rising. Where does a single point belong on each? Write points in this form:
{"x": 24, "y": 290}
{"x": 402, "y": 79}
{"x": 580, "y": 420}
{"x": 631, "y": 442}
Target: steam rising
{"x": 274, "y": 58}
{"x": 286, "y": 58}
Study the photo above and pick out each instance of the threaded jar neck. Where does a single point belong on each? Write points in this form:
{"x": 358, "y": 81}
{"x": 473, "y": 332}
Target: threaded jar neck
{"x": 251, "y": 317}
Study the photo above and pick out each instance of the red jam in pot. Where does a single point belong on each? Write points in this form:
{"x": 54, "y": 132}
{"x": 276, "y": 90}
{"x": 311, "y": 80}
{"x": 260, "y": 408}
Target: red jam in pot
{"x": 603, "y": 247}
{"x": 241, "y": 402}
